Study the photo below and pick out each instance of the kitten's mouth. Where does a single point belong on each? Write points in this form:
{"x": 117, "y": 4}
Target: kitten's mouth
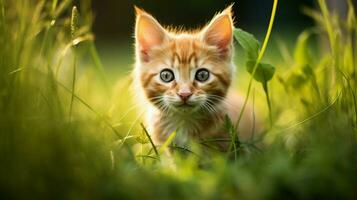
{"x": 184, "y": 108}
{"x": 185, "y": 105}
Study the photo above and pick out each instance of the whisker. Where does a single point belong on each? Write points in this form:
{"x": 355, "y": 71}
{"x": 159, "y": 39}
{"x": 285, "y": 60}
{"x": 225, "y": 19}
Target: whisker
{"x": 220, "y": 99}
{"x": 213, "y": 109}
{"x": 209, "y": 108}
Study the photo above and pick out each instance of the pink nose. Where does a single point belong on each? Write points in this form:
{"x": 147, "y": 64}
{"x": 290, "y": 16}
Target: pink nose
{"x": 184, "y": 95}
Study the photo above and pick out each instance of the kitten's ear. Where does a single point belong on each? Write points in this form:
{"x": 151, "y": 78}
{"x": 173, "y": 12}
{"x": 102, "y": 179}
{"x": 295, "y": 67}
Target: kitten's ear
{"x": 219, "y": 32}
{"x": 148, "y": 33}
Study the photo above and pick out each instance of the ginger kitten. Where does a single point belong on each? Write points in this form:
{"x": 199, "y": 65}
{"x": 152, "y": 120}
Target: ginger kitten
{"x": 184, "y": 78}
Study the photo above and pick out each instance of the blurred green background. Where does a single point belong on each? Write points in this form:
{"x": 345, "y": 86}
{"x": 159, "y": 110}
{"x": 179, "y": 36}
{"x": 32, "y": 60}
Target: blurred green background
{"x": 114, "y": 19}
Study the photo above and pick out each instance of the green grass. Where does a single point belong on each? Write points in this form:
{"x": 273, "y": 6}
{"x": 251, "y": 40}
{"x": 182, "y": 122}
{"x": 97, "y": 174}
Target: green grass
{"x": 69, "y": 128}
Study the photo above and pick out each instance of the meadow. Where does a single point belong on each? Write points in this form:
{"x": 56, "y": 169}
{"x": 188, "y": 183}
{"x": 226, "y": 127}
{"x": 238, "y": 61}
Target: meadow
{"x": 70, "y": 127}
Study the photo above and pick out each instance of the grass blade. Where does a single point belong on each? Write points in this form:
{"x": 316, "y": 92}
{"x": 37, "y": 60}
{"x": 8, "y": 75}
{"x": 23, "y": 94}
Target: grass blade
{"x": 151, "y": 142}
{"x": 167, "y": 142}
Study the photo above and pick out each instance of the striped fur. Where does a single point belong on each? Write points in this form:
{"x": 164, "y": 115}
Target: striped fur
{"x": 184, "y": 52}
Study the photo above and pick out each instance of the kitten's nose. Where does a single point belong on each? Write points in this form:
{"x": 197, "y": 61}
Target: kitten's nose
{"x": 184, "y": 94}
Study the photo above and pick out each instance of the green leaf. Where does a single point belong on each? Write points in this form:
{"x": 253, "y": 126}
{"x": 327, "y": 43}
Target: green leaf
{"x": 263, "y": 73}
{"x": 248, "y": 42}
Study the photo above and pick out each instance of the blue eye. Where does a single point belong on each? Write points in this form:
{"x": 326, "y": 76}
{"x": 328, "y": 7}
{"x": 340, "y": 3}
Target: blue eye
{"x": 167, "y": 75}
{"x": 202, "y": 75}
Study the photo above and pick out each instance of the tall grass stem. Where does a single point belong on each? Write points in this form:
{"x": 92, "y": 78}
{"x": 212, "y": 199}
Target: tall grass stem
{"x": 74, "y": 28}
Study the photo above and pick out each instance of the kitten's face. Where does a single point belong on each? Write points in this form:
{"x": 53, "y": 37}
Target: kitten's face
{"x": 184, "y": 71}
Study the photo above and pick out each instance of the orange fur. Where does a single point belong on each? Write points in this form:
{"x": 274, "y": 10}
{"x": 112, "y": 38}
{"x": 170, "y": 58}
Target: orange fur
{"x": 184, "y": 54}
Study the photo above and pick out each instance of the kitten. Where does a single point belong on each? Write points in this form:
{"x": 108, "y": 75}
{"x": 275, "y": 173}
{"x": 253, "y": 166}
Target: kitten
{"x": 185, "y": 76}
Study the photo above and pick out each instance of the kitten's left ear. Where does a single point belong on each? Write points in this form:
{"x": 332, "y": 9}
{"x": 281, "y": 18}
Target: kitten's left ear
{"x": 219, "y": 32}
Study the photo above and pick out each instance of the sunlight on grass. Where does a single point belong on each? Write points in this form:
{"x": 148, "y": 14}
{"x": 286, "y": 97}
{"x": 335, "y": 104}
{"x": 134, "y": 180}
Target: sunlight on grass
{"x": 70, "y": 125}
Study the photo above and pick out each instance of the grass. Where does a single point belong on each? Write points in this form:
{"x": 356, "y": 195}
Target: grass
{"x": 100, "y": 151}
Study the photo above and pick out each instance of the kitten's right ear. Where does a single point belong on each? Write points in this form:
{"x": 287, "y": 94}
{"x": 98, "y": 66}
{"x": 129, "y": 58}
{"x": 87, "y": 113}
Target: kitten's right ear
{"x": 148, "y": 33}
{"x": 219, "y": 32}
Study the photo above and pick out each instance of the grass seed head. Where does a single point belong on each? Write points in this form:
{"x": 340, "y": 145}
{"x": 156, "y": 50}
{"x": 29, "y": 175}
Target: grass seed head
{"x": 74, "y": 22}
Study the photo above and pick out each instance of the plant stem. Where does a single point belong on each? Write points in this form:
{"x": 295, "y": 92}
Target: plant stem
{"x": 53, "y": 8}
{"x": 260, "y": 56}
{"x": 266, "y": 90}
{"x": 73, "y": 85}
{"x": 74, "y": 28}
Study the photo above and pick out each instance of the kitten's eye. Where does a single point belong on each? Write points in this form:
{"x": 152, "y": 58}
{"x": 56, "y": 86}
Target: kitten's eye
{"x": 202, "y": 75}
{"x": 167, "y": 75}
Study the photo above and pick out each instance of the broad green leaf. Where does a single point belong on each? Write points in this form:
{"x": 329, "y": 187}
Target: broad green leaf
{"x": 167, "y": 142}
{"x": 248, "y": 42}
{"x": 263, "y": 73}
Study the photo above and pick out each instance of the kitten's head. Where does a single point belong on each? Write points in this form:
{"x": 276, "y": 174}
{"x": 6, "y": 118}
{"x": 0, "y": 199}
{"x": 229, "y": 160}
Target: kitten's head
{"x": 181, "y": 70}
